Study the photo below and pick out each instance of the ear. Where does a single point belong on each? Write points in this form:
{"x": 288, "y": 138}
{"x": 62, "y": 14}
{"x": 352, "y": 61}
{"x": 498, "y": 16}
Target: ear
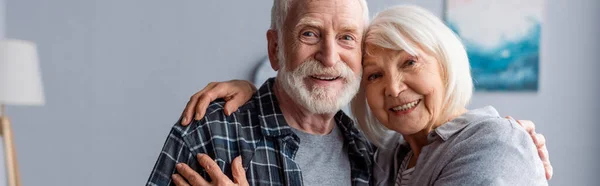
{"x": 273, "y": 48}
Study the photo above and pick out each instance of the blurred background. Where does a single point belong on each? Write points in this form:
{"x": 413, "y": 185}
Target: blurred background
{"x": 118, "y": 73}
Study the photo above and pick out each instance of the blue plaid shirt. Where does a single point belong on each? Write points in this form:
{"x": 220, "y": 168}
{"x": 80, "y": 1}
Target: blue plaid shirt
{"x": 258, "y": 132}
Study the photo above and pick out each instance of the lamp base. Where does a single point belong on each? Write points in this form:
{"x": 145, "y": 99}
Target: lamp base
{"x": 9, "y": 152}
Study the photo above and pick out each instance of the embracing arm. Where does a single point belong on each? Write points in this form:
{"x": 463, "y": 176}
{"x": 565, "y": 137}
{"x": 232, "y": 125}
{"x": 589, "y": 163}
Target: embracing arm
{"x": 494, "y": 155}
{"x": 235, "y": 93}
{"x": 540, "y": 142}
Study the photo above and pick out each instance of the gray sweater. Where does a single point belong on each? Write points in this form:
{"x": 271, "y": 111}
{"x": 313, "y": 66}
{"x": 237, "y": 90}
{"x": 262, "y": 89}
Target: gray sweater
{"x": 477, "y": 148}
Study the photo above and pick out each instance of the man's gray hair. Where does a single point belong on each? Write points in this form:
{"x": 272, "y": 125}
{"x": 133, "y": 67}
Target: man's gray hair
{"x": 281, "y": 8}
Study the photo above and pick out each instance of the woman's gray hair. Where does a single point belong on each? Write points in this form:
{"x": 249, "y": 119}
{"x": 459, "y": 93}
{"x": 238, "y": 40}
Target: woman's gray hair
{"x": 403, "y": 28}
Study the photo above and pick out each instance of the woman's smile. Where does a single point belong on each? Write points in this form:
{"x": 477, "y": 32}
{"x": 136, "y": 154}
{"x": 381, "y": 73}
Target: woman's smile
{"x": 406, "y": 108}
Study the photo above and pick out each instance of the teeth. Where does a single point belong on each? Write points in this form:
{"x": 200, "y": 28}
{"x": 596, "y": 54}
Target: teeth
{"x": 325, "y": 78}
{"x": 406, "y": 106}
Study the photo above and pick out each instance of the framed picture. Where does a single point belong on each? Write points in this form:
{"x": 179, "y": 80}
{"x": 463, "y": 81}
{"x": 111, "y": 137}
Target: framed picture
{"x": 502, "y": 38}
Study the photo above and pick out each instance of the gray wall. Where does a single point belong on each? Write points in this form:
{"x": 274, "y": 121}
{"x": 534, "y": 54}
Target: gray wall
{"x": 117, "y": 74}
{"x": 2, "y": 163}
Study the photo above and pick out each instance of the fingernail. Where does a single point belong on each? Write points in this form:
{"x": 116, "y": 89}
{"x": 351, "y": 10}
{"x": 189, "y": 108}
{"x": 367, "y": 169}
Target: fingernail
{"x": 184, "y": 120}
{"x": 178, "y": 165}
{"x": 197, "y": 116}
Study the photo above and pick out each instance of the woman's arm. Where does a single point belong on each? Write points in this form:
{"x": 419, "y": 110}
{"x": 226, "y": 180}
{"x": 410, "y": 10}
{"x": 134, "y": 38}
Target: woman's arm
{"x": 235, "y": 93}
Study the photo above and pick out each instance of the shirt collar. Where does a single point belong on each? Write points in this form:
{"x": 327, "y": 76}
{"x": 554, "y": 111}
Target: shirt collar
{"x": 456, "y": 125}
{"x": 272, "y": 122}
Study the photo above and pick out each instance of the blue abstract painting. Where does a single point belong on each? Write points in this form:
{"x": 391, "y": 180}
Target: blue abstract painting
{"x": 502, "y": 38}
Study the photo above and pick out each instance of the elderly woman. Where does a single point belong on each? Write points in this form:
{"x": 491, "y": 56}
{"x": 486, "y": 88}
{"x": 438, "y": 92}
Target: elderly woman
{"x": 415, "y": 86}
{"x": 416, "y": 83}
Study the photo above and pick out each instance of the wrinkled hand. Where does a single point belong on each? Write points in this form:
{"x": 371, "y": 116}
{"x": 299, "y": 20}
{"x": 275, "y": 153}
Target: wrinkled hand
{"x": 211, "y": 167}
{"x": 540, "y": 141}
{"x": 235, "y": 92}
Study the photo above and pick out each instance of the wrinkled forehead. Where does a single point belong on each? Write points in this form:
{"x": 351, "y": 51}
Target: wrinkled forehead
{"x": 375, "y": 53}
{"x": 382, "y": 40}
{"x": 343, "y": 12}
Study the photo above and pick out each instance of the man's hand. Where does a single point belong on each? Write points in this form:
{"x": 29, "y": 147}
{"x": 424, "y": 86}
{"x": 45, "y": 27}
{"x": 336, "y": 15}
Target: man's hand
{"x": 235, "y": 92}
{"x": 211, "y": 167}
{"x": 540, "y": 141}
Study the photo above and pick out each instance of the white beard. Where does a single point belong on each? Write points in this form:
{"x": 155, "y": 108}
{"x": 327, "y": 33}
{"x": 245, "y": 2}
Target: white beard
{"x": 319, "y": 100}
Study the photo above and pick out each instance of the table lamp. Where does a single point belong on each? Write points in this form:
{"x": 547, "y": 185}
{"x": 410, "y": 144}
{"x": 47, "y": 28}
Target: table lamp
{"x": 20, "y": 84}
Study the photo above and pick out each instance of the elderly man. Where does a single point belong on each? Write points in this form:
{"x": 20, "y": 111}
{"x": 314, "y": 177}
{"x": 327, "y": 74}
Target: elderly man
{"x": 292, "y": 131}
{"x": 294, "y": 122}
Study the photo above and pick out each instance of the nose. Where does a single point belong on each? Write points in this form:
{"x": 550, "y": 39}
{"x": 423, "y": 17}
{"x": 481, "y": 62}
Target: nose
{"x": 328, "y": 52}
{"x": 395, "y": 85}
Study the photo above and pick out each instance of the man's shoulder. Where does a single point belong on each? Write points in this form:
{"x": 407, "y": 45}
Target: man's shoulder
{"x": 216, "y": 122}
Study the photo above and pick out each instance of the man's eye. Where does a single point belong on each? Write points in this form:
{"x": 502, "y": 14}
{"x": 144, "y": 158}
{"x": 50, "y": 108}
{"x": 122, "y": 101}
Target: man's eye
{"x": 348, "y": 37}
{"x": 309, "y": 34}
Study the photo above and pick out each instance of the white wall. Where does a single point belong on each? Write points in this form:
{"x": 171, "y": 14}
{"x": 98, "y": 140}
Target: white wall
{"x": 117, "y": 73}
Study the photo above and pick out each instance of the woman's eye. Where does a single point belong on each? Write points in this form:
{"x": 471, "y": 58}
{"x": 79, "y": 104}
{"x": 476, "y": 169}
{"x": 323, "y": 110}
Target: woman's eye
{"x": 410, "y": 62}
{"x": 373, "y": 76}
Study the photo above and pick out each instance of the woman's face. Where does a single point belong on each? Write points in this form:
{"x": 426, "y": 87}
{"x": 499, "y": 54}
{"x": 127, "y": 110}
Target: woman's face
{"x": 404, "y": 92}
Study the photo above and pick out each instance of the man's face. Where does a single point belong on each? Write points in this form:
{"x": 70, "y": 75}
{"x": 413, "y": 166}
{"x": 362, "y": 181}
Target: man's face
{"x": 320, "y": 54}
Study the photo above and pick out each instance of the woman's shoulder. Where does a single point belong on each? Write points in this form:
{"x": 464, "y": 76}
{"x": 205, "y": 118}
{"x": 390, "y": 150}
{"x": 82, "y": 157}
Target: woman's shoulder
{"x": 486, "y": 123}
{"x": 491, "y": 148}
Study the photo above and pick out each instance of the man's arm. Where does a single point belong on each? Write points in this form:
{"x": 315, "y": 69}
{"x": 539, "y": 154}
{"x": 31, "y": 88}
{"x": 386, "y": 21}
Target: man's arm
{"x": 174, "y": 151}
{"x": 494, "y": 155}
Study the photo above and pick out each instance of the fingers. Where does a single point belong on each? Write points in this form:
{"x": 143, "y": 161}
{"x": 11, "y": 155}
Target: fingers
{"x": 549, "y": 170}
{"x": 236, "y": 92}
{"x": 178, "y": 180}
{"x": 190, "y": 175}
{"x": 234, "y": 103}
{"x": 204, "y": 100}
{"x": 189, "y": 108}
{"x": 241, "y": 92}
{"x": 539, "y": 141}
{"x": 220, "y": 90}
{"x": 528, "y": 125}
{"x": 210, "y": 166}
{"x": 543, "y": 153}
{"x": 239, "y": 174}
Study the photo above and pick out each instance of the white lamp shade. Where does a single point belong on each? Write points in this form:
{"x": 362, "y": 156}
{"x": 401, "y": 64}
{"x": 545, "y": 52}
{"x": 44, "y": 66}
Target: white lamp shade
{"x": 20, "y": 79}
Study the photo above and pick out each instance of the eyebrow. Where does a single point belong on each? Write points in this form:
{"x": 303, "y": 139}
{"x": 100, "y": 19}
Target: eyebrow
{"x": 349, "y": 27}
{"x": 307, "y": 21}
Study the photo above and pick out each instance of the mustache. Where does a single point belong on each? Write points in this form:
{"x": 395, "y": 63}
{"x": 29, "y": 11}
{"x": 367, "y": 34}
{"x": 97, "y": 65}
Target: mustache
{"x": 313, "y": 67}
